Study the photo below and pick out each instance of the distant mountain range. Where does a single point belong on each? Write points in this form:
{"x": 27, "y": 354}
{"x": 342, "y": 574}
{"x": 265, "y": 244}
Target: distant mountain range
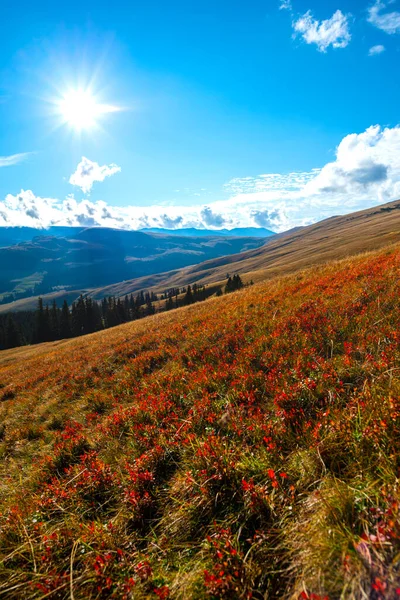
{"x": 9, "y": 236}
{"x": 237, "y": 232}
{"x": 82, "y": 259}
{"x": 300, "y": 248}
{"x": 106, "y": 262}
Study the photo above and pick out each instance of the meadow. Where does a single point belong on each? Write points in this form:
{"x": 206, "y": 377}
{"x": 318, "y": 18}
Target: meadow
{"x": 246, "y": 447}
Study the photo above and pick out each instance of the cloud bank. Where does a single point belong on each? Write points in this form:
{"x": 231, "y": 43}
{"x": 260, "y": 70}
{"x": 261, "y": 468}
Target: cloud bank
{"x": 365, "y": 172}
{"x": 87, "y": 172}
{"x": 331, "y": 32}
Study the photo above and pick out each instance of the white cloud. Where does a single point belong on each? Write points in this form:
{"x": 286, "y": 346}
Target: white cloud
{"x": 272, "y": 182}
{"x": 285, "y": 5}
{"x": 389, "y": 22}
{"x": 331, "y": 32}
{"x": 87, "y": 172}
{"x": 169, "y": 222}
{"x": 267, "y": 218}
{"x": 376, "y": 50}
{"x": 366, "y": 164}
{"x": 365, "y": 172}
{"x": 212, "y": 219}
{"x": 13, "y": 159}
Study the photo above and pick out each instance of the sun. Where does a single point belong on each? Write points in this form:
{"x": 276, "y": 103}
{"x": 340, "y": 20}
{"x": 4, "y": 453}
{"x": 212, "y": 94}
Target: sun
{"x": 81, "y": 110}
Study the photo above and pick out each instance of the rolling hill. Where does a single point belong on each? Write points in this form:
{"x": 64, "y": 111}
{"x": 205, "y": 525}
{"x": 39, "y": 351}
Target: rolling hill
{"x": 95, "y": 257}
{"x": 330, "y": 239}
{"x": 244, "y": 447}
{"x": 10, "y": 236}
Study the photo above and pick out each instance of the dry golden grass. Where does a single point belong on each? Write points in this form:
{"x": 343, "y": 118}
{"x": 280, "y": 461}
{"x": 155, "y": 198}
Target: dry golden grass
{"x": 331, "y": 239}
{"x": 243, "y": 447}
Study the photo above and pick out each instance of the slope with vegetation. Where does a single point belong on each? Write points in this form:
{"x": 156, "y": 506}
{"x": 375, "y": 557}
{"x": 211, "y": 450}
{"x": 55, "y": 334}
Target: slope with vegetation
{"x": 95, "y": 257}
{"x": 300, "y": 248}
{"x": 330, "y": 239}
{"x": 50, "y": 323}
{"x": 243, "y": 447}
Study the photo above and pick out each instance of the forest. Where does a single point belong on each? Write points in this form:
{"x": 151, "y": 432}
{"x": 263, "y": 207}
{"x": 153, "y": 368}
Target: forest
{"x": 50, "y": 322}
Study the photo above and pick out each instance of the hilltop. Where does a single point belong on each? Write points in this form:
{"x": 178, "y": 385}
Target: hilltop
{"x": 244, "y": 447}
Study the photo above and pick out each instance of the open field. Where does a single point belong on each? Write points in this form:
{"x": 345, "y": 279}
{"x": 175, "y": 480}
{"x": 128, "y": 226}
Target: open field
{"x": 244, "y": 447}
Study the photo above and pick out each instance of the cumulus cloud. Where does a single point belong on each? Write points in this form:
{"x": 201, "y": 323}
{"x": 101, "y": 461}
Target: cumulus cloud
{"x": 271, "y": 219}
{"x": 33, "y": 212}
{"x": 88, "y": 171}
{"x": 376, "y": 50}
{"x": 331, "y": 32}
{"x": 389, "y": 22}
{"x": 211, "y": 219}
{"x": 23, "y": 209}
{"x": 364, "y": 172}
{"x": 13, "y": 159}
{"x": 365, "y": 163}
{"x": 169, "y": 222}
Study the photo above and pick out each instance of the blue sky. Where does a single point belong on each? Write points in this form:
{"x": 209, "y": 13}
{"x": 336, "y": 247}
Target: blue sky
{"x": 210, "y": 95}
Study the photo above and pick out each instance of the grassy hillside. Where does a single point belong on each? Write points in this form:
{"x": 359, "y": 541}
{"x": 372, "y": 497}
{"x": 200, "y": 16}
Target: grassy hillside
{"x": 245, "y": 447}
{"x": 331, "y": 239}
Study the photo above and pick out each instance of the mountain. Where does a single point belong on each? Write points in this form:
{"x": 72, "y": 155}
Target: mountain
{"x": 236, "y": 232}
{"x": 330, "y": 239}
{"x": 90, "y": 258}
{"x": 333, "y": 238}
{"x": 243, "y": 447}
{"x": 10, "y": 236}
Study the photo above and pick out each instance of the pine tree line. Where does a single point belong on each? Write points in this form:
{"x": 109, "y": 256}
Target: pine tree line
{"x": 87, "y": 315}
{"x": 176, "y": 297}
{"x": 50, "y": 323}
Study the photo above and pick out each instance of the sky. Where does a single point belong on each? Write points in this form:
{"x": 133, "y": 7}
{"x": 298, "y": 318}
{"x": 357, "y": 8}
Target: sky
{"x": 208, "y": 113}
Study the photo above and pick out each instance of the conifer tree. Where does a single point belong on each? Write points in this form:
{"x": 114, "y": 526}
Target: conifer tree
{"x": 79, "y": 317}
{"x": 42, "y": 330}
{"x": 65, "y": 322}
{"x": 234, "y": 283}
{"x": 150, "y": 310}
{"x": 54, "y": 322}
{"x": 188, "y": 299}
{"x": 132, "y": 308}
{"x": 169, "y": 305}
{"x": 229, "y": 286}
{"x": 13, "y": 338}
